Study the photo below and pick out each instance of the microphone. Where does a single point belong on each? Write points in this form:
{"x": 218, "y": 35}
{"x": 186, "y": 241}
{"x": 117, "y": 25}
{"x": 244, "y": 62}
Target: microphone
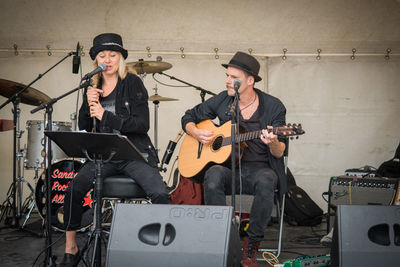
{"x": 236, "y": 84}
{"x": 76, "y": 60}
{"x": 170, "y": 150}
{"x": 100, "y": 68}
{"x": 168, "y": 153}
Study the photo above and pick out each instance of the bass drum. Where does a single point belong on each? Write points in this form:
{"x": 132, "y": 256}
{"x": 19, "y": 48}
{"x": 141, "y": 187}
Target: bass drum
{"x": 62, "y": 173}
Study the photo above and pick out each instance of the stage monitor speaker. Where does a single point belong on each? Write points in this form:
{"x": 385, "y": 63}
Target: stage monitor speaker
{"x": 173, "y": 235}
{"x": 367, "y": 236}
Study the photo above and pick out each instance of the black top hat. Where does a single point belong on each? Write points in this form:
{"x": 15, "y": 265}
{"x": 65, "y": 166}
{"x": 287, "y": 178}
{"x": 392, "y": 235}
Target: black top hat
{"x": 107, "y": 41}
{"x": 245, "y": 62}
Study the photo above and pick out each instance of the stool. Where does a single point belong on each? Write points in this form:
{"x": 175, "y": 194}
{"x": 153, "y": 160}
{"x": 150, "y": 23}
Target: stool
{"x": 120, "y": 188}
{"x": 124, "y": 188}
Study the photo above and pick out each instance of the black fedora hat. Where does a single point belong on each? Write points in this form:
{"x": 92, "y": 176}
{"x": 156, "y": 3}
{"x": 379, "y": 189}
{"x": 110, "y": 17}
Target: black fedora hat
{"x": 245, "y": 62}
{"x": 107, "y": 41}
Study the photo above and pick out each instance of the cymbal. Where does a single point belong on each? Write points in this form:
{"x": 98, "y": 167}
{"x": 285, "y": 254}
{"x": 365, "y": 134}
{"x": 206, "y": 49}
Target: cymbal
{"x": 30, "y": 96}
{"x": 6, "y": 125}
{"x": 142, "y": 67}
{"x": 157, "y": 97}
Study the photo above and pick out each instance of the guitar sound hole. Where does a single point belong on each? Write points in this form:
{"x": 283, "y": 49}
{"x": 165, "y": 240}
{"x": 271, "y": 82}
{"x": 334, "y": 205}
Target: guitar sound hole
{"x": 216, "y": 145}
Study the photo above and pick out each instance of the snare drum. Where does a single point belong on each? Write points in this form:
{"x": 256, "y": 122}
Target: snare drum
{"x": 35, "y": 146}
{"x": 62, "y": 173}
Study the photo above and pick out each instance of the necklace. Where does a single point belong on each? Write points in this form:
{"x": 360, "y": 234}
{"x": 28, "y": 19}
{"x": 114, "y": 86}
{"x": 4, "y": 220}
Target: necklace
{"x": 255, "y": 97}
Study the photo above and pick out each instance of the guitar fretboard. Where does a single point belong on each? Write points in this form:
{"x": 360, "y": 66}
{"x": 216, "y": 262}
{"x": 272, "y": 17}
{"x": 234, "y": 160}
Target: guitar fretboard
{"x": 281, "y": 131}
{"x": 243, "y": 137}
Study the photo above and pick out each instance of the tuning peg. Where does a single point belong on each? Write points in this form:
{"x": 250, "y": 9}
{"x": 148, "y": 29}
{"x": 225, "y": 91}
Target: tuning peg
{"x": 299, "y": 124}
{"x": 289, "y": 124}
{"x": 297, "y": 137}
{"x": 291, "y": 138}
{"x": 294, "y": 125}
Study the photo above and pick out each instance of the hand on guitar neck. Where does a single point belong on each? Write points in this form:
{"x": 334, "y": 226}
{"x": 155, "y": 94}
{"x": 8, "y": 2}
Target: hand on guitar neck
{"x": 271, "y": 140}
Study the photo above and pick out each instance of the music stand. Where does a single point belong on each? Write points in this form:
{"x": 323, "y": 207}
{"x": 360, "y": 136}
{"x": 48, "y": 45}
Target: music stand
{"x": 99, "y": 148}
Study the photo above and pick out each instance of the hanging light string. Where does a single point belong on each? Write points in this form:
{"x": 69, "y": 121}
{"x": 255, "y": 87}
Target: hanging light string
{"x": 50, "y": 51}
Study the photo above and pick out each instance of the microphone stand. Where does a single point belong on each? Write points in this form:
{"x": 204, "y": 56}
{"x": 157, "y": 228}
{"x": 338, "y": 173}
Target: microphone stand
{"x": 234, "y": 140}
{"x": 35, "y": 80}
{"x": 49, "y": 260}
{"x": 16, "y": 208}
{"x": 203, "y": 92}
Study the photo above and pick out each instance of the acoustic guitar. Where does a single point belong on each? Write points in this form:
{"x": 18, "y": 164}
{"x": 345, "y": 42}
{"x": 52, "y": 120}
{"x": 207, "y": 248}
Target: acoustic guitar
{"x": 195, "y": 157}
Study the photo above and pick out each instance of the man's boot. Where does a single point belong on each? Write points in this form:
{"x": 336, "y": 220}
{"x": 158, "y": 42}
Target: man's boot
{"x": 250, "y": 253}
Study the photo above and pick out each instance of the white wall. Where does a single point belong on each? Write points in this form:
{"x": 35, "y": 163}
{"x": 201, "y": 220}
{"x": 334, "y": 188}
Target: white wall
{"x": 349, "y": 108}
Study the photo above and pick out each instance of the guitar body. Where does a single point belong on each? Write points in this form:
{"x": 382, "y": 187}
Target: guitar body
{"x": 195, "y": 157}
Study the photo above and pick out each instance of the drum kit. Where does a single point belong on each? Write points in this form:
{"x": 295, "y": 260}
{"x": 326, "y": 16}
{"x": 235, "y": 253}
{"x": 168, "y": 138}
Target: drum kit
{"x": 63, "y": 168}
{"x": 33, "y": 155}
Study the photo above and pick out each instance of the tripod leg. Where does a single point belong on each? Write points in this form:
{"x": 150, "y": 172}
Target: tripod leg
{"x": 86, "y": 249}
{"x": 29, "y": 203}
{"x": 28, "y": 215}
{"x": 96, "y": 250}
{"x": 7, "y": 208}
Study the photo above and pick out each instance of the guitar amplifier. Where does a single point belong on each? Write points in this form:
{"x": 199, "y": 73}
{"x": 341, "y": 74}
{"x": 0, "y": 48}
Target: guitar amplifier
{"x": 355, "y": 190}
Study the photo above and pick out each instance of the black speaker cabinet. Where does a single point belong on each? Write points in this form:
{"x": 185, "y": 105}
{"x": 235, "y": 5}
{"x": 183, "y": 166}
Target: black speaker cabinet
{"x": 145, "y": 235}
{"x": 367, "y": 236}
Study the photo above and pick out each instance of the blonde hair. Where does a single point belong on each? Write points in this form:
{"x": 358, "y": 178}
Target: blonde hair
{"x": 123, "y": 70}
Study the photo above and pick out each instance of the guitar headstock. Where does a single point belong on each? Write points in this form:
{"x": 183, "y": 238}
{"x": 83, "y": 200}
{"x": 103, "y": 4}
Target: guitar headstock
{"x": 289, "y": 130}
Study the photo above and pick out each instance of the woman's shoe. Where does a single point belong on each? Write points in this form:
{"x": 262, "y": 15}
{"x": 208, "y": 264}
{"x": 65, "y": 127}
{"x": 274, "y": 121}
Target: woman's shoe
{"x": 70, "y": 260}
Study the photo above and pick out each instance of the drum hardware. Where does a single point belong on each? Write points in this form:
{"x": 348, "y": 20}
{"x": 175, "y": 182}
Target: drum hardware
{"x": 73, "y": 118}
{"x": 156, "y": 98}
{"x": 29, "y": 203}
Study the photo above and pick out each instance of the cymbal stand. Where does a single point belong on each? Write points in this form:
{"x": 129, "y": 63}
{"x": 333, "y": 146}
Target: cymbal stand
{"x": 15, "y": 191}
{"x": 142, "y": 73}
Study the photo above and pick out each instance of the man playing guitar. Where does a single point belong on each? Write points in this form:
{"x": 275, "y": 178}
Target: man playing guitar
{"x": 262, "y": 166}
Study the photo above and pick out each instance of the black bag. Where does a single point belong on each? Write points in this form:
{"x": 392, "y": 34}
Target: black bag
{"x": 300, "y": 209}
{"x": 391, "y": 168}
{"x": 290, "y": 178}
